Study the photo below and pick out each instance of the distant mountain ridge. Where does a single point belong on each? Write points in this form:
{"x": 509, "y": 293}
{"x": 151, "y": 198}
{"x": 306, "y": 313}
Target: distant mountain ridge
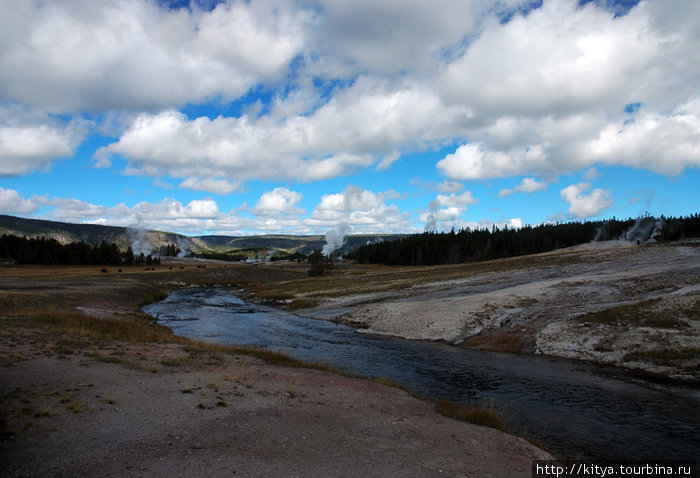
{"x": 147, "y": 241}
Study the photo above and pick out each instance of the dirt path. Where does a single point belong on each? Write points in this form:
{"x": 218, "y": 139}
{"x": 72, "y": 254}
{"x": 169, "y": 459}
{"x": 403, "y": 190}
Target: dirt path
{"x": 76, "y": 409}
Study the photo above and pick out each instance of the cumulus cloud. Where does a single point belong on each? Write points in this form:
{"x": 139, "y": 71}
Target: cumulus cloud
{"x": 664, "y": 143}
{"x": 359, "y": 127}
{"x": 168, "y": 213}
{"x": 558, "y": 58}
{"x": 12, "y": 203}
{"x": 70, "y": 55}
{"x": 550, "y": 92}
{"x": 276, "y": 211}
{"x": 527, "y": 185}
{"x": 278, "y": 202}
{"x": 360, "y": 209}
{"x": 584, "y": 205}
{"x": 31, "y": 140}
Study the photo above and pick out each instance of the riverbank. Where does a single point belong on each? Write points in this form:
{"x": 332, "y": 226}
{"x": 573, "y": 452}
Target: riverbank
{"x": 76, "y": 408}
{"x": 636, "y": 307}
{"x": 92, "y": 386}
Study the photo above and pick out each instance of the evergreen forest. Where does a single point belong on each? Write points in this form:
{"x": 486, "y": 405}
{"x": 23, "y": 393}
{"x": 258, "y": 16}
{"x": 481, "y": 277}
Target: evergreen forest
{"x": 471, "y": 245}
{"x": 48, "y": 251}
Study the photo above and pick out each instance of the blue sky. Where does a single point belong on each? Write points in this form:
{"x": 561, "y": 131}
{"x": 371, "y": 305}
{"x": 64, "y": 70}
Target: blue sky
{"x": 300, "y": 117}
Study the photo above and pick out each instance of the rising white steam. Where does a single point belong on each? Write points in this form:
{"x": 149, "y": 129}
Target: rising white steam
{"x": 140, "y": 243}
{"x": 335, "y": 239}
{"x": 644, "y": 229}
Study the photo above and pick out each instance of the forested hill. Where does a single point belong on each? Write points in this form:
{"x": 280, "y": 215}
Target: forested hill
{"x": 469, "y": 245}
{"x": 63, "y": 232}
{"x": 93, "y": 234}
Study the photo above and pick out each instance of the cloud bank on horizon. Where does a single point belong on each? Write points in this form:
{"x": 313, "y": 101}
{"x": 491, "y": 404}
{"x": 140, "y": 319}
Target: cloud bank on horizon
{"x": 278, "y": 116}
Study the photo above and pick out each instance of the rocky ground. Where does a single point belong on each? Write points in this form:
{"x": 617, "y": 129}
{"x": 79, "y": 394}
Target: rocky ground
{"x": 616, "y": 303}
{"x": 76, "y": 407}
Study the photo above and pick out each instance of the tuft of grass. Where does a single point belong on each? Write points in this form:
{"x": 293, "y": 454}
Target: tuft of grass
{"x": 45, "y": 412}
{"x": 75, "y": 407}
{"x": 484, "y": 416}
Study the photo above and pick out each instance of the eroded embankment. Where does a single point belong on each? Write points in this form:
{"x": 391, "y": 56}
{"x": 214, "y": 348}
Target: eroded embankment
{"x": 632, "y": 306}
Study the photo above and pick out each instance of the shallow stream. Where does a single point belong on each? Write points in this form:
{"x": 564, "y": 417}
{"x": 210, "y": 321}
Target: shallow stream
{"x": 575, "y": 410}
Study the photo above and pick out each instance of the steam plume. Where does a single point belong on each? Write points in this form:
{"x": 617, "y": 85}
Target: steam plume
{"x": 335, "y": 239}
{"x": 644, "y": 228}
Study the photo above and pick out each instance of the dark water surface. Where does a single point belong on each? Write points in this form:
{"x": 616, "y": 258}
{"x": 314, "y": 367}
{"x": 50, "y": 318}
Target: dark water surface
{"x": 576, "y": 410}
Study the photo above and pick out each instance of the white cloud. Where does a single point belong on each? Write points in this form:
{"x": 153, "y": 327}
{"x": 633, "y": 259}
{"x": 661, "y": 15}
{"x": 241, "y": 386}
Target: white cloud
{"x": 357, "y": 128}
{"x": 474, "y": 161}
{"x": 453, "y": 200}
{"x": 168, "y": 214}
{"x": 217, "y": 186}
{"x": 664, "y": 143}
{"x": 276, "y": 211}
{"x": 71, "y": 55}
{"x": 446, "y": 209}
{"x": 584, "y": 206}
{"x": 527, "y": 185}
{"x": 12, "y": 203}
{"x": 558, "y": 58}
{"x": 548, "y": 92}
{"x": 391, "y": 36}
{"x": 278, "y": 202}
{"x": 30, "y": 141}
{"x": 365, "y": 211}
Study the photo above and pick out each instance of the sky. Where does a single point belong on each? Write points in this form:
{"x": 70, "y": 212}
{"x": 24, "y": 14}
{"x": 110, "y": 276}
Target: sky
{"x": 365, "y": 116}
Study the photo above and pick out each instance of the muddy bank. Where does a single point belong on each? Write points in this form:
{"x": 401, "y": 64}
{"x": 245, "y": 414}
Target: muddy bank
{"x": 632, "y": 306}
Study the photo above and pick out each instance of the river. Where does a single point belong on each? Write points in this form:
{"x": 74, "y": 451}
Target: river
{"x": 575, "y": 410}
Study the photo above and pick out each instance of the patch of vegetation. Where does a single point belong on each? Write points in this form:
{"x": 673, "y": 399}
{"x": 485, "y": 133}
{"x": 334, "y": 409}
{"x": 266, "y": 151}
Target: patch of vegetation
{"x": 104, "y": 329}
{"x": 303, "y": 304}
{"x": 484, "y": 416}
{"x": 665, "y": 356}
{"x": 645, "y": 313}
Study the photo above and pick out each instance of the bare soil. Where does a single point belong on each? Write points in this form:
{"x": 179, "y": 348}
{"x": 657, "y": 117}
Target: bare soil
{"x": 78, "y": 407}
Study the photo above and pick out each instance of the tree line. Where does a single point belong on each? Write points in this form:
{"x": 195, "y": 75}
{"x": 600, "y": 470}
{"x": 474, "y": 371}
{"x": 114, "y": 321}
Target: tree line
{"x": 472, "y": 245}
{"x": 48, "y": 251}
